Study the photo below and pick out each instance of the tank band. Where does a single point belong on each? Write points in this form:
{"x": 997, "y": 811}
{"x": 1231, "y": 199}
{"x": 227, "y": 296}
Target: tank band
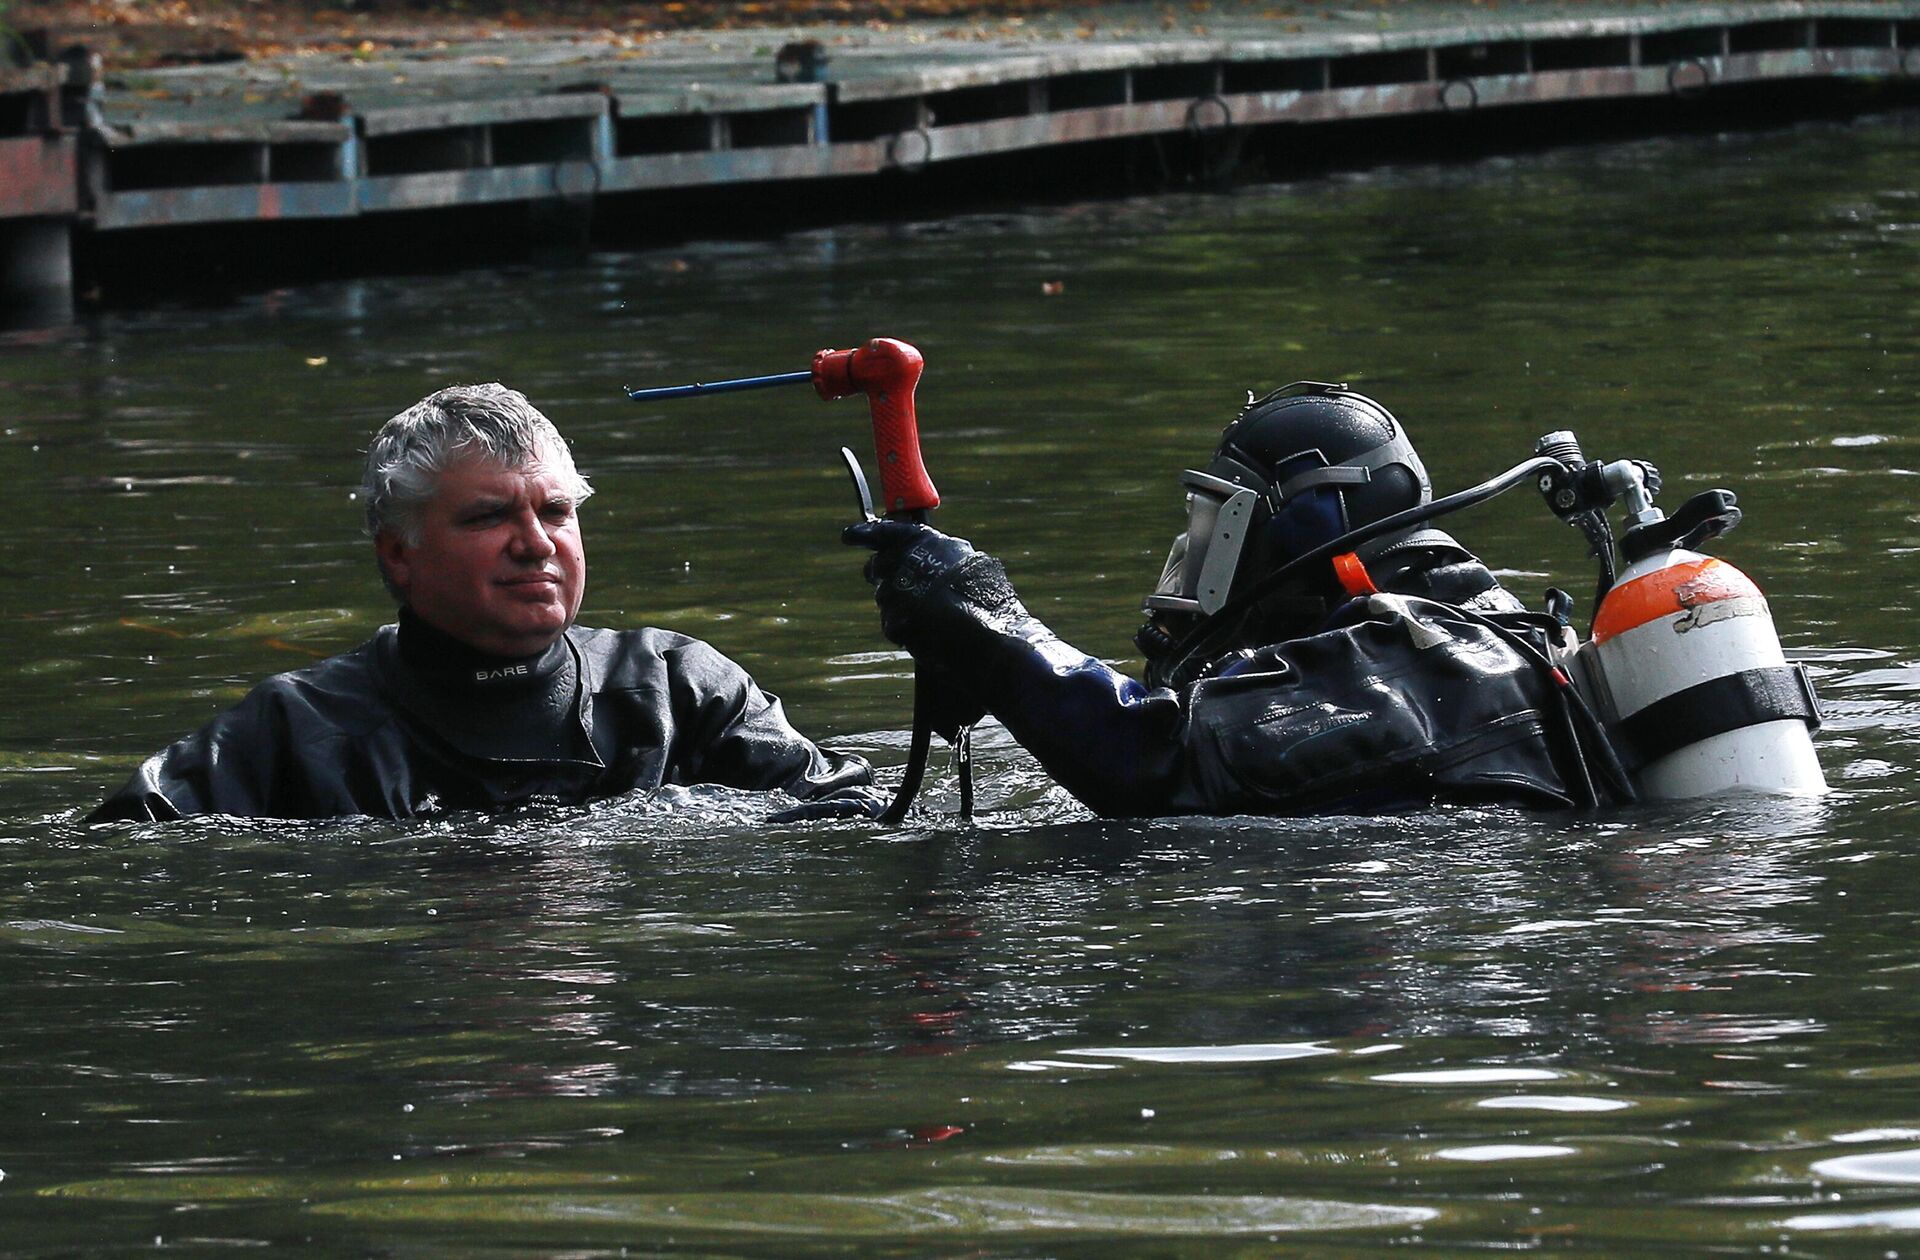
{"x": 1719, "y": 705}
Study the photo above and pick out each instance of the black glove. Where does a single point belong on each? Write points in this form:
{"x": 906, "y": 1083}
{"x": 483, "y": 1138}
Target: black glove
{"x": 949, "y": 704}
{"x": 927, "y": 582}
{"x": 847, "y": 802}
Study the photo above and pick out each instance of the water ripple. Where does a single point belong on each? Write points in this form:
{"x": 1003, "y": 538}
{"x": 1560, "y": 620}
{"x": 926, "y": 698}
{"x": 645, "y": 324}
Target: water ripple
{"x": 940, "y": 1211}
{"x": 1886, "y": 1167}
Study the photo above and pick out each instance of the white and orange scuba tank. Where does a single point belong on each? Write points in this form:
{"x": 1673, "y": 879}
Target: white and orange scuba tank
{"x": 1692, "y": 675}
{"x": 1684, "y": 666}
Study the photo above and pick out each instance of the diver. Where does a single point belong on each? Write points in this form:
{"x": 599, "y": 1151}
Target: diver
{"x": 1395, "y": 676}
{"x": 485, "y": 694}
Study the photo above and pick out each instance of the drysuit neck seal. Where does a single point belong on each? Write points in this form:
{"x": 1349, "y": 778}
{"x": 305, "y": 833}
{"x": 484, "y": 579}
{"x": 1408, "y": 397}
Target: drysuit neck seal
{"x": 432, "y": 654}
{"x": 501, "y": 708}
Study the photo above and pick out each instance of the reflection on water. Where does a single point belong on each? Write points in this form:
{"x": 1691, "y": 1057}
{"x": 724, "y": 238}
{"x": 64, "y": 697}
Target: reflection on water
{"x": 665, "y": 1022}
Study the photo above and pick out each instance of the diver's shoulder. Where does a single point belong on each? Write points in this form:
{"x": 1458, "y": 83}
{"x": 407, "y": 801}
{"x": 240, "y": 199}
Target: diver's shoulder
{"x": 634, "y": 641}
{"x": 351, "y": 667}
{"x": 637, "y": 640}
{"x": 1432, "y": 564}
{"x": 630, "y": 657}
{"x": 346, "y": 690}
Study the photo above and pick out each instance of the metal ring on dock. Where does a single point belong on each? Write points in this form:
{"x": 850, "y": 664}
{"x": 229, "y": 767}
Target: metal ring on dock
{"x": 897, "y": 149}
{"x": 571, "y": 191}
{"x": 1446, "y": 93}
{"x": 1688, "y": 89}
{"x": 1197, "y": 126}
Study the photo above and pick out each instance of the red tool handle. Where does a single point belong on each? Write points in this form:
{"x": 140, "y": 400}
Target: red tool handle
{"x": 885, "y": 370}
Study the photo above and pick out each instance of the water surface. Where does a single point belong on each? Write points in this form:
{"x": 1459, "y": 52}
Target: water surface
{"x": 665, "y": 1024}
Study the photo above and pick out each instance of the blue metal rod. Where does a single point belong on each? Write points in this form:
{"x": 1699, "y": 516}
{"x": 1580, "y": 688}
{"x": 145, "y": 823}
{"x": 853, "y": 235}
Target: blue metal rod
{"x": 718, "y": 387}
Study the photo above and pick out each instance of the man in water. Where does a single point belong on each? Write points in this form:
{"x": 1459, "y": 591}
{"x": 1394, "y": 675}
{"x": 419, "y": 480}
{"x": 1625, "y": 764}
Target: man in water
{"x": 486, "y": 694}
{"x": 1388, "y": 676}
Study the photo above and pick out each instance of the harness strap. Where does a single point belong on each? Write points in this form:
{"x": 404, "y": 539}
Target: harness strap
{"x": 1728, "y": 703}
{"x": 1358, "y": 470}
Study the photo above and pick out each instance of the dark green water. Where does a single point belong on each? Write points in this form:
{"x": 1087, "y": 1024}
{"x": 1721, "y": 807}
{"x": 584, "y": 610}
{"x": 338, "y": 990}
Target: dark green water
{"x": 665, "y": 1025}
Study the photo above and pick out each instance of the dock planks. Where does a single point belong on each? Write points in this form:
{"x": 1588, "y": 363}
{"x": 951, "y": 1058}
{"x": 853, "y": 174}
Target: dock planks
{"x": 574, "y": 119}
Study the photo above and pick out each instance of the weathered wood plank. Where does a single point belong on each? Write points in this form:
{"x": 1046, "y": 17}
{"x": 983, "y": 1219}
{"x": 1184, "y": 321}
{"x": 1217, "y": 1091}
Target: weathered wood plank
{"x": 432, "y": 117}
{"x": 177, "y": 207}
{"x": 134, "y": 135}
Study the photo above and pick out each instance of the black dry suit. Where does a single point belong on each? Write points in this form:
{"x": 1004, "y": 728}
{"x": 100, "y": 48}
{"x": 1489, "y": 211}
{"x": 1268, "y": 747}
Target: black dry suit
{"x": 1400, "y": 700}
{"x": 412, "y": 721}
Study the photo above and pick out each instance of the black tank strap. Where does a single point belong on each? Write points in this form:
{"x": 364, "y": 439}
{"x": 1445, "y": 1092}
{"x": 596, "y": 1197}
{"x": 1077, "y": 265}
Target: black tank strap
{"x": 1719, "y": 705}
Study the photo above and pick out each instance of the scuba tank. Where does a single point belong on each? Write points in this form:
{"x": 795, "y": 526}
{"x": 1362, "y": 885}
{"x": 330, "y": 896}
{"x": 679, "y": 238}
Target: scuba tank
{"x": 1684, "y": 665}
{"x": 1694, "y": 679}
{"x": 1689, "y": 671}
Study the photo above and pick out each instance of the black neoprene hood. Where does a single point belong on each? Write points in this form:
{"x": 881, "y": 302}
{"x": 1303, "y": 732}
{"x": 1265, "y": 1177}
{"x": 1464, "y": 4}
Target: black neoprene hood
{"x": 1309, "y": 435}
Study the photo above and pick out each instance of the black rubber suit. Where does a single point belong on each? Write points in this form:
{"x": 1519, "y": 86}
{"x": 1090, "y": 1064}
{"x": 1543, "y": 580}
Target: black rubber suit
{"x": 413, "y": 722}
{"x": 1398, "y": 701}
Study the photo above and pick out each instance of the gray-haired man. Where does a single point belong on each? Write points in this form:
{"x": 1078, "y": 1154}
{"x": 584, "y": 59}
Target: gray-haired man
{"x": 485, "y": 694}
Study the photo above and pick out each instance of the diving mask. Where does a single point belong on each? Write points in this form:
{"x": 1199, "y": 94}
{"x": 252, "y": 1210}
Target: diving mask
{"x": 1199, "y": 571}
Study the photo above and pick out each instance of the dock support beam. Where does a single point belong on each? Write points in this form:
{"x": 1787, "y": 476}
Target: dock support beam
{"x": 36, "y": 272}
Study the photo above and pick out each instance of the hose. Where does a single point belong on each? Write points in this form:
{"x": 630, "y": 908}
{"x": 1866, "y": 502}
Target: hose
{"x": 924, "y": 707}
{"x": 916, "y": 753}
{"x": 1597, "y": 739}
{"x": 1237, "y": 607}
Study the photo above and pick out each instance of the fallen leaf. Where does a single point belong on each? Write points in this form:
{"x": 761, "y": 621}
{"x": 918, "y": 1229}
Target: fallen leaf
{"x": 131, "y": 624}
{"x": 284, "y": 646}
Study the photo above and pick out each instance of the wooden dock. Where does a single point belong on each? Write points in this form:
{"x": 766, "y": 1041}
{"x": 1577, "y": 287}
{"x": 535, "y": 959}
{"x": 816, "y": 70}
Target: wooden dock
{"x": 584, "y": 120}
